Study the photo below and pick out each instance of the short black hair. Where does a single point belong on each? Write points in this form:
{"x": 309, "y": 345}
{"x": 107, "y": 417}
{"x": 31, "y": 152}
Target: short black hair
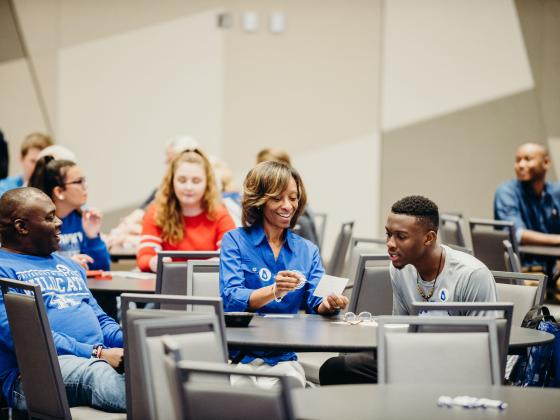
{"x": 424, "y": 209}
{"x": 12, "y": 206}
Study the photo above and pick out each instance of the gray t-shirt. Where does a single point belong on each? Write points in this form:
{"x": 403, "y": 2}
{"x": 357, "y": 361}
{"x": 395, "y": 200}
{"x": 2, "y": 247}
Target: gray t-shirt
{"x": 463, "y": 279}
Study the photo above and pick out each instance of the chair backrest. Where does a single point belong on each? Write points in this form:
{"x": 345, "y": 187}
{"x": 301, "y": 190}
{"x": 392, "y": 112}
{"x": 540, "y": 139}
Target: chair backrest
{"x": 136, "y": 390}
{"x": 451, "y": 230}
{"x": 320, "y": 226}
{"x": 461, "y": 248}
{"x": 511, "y": 259}
{"x": 338, "y": 257}
{"x": 205, "y": 400}
{"x": 36, "y": 356}
{"x": 199, "y": 338}
{"x": 203, "y": 279}
{"x": 372, "y": 290}
{"x": 171, "y": 276}
{"x": 490, "y": 309}
{"x": 523, "y": 289}
{"x": 423, "y": 356}
{"x": 359, "y": 246}
{"x": 487, "y": 240}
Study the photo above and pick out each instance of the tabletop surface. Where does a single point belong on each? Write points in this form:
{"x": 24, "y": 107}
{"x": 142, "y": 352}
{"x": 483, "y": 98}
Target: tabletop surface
{"x": 419, "y": 402}
{"x": 124, "y": 281}
{"x": 293, "y": 332}
{"x": 317, "y": 333}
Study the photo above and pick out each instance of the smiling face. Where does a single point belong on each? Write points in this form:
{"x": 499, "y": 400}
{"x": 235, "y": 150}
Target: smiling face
{"x": 531, "y": 162}
{"x": 407, "y": 239}
{"x": 41, "y": 227}
{"x": 189, "y": 184}
{"x": 279, "y": 210}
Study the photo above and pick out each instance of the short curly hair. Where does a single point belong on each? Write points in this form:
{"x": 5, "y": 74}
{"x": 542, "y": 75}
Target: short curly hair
{"x": 265, "y": 181}
{"x": 424, "y": 209}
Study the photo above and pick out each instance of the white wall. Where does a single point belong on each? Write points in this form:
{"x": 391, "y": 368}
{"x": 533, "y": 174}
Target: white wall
{"x": 119, "y": 78}
{"x": 343, "y": 181}
{"x": 441, "y": 56}
{"x": 19, "y": 109}
{"x": 120, "y": 98}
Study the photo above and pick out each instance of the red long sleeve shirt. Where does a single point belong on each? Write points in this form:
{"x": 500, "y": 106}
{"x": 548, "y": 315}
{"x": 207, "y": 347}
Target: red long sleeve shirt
{"x": 200, "y": 234}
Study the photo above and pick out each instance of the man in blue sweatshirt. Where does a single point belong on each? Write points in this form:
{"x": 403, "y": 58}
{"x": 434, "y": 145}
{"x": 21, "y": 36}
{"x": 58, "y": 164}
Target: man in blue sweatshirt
{"x": 88, "y": 342}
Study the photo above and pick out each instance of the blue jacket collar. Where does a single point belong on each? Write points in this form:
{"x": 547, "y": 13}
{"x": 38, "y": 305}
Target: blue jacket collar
{"x": 258, "y": 236}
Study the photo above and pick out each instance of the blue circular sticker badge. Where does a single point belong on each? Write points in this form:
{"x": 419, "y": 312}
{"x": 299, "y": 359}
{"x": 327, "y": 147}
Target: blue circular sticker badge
{"x": 443, "y": 295}
{"x": 265, "y": 274}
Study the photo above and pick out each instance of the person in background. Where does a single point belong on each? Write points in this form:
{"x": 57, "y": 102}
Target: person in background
{"x": 57, "y": 151}
{"x": 230, "y": 196}
{"x": 89, "y": 343}
{"x": 305, "y": 226}
{"x": 32, "y": 145}
{"x": 65, "y": 183}
{"x": 266, "y": 268}
{"x": 422, "y": 270}
{"x": 127, "y": 234}
{"x": 531, "y": 203}
{"x": 187, "y": 213}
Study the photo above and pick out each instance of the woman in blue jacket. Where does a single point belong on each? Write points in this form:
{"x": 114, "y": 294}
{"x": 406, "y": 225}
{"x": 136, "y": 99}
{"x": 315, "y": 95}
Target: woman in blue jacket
{"x": 64, "y": 182}
{"x": 266, "y": 268}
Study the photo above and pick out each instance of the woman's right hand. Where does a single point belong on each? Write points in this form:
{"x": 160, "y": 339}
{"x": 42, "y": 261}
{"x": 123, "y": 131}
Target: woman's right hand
{"x": 286, "y": 281}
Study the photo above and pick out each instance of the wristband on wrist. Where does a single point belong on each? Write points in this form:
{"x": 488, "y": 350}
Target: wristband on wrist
{"x": 276, "y": 298}
{"x": 96, "y": 351}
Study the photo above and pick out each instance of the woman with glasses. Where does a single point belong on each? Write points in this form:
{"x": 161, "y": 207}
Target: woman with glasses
{"x": 187, "y": 213}
{"x": 266, "y": 268}
{"x": 64, "y": 182}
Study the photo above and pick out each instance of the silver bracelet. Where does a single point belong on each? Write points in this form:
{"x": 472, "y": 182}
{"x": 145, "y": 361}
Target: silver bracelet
{"x": 277, "y": 299}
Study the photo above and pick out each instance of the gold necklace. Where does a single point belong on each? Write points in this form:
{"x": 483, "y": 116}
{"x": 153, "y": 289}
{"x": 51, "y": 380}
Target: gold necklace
{"x": 431, "y": 291}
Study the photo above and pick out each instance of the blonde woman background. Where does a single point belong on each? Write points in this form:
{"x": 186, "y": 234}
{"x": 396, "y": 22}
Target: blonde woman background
{"x": 187, "y": 213}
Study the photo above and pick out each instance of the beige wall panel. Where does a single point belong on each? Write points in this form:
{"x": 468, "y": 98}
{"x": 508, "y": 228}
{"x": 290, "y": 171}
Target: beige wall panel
{"x": 18, "y": 107}
{"x": 313, "y": 86}
{"x": 40, "y": 25}
{"x": 10, "y": 46}
{"x": 52, "y": 24}
{"x": 121, "y": 98}
{"x": 342, "y": 180}
{"x": 442, "y": 56}
{"x": 540, "y": 21}
{"x": 460, "y": 159}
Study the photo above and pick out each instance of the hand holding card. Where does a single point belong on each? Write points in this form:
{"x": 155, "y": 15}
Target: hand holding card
{"x": 330, "y": 285}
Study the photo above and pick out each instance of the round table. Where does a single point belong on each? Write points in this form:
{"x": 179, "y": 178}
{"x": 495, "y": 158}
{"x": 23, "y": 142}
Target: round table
{"x": 317, "y": 333}
{"x": 355, "y": 402}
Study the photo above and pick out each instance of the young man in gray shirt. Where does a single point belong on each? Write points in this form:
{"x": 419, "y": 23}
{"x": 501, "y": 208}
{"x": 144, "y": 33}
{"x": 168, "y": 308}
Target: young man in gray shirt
{"x": 422, "y": 270}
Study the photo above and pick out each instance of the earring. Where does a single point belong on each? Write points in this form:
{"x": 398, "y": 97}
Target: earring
{"x": 61, "y": 197}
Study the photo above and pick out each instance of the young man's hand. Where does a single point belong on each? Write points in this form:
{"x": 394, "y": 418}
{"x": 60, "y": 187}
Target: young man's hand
{"x": 113, "y": 356}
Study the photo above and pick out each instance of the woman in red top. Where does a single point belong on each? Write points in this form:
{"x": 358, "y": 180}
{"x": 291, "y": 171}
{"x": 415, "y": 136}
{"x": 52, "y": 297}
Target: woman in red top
{"x": 187, "y": 213}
